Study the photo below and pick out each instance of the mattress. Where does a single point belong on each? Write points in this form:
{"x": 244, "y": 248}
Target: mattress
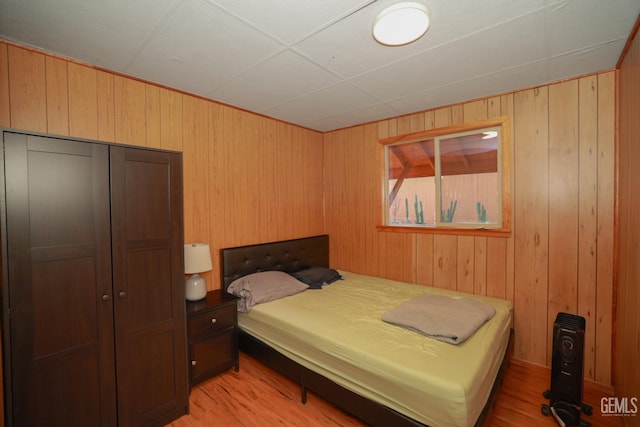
{"x": 338, "y": 332}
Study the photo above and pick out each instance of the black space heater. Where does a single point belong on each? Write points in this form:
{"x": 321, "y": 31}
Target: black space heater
{"x": 567, "y": 372}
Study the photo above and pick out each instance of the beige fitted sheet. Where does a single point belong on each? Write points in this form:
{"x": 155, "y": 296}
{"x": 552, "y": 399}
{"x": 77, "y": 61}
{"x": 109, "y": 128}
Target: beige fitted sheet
{"x": 338, "y": 332}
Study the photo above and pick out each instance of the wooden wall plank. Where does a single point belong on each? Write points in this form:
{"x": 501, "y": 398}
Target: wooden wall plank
{"x": 457, "y": 114}
{"x": 507, "y": 109}
{"x": 307, "y": 170}
{"x": 83, "y": 106}
{"x": 587, "y": 215}
{"x": 130, "y": 115}
{"x": 475, "y": 110}
{"x": 333, "y": 174}
{"x": 358, "y": 169}
{"x": 105, "y": 93}
{"x": 531, "y": 178}
{"x": 480, "y": 266}
{"x": 445, "y": 254}
{"x": 5, "y": 110}
{"x": 237, "y": 174}
{"x": 217, "y": 168}
{"x": 255, "y": 172}
{"x": 27, "y": 89}
{"x": 424, "y": 259}
{"x": 605, "y": 225}
{"x": 57, "y": 96}
{"x": 284, "y": 136}
{"x": 152, "y": 113}
{"x": 373, "y": 196}
{"x": 171, "y": 120}
{"x": 626, "y": 375}
{"x": 195, "y": 175}
{"x": 442, "y": 117}
{"x": 465, "y": 264}
{"x": 496, "y": 285}
{"x": 563, "y": 202}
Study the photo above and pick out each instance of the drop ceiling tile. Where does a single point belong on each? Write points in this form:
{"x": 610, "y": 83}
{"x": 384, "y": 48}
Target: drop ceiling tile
{"x": 574, "y": 25}
{"x": 586, "y": 61}
{"x": 452, "y": 20}
{"x": 364, "y": 115}
{"x": 338, "y": 99}
{"x": 278, "y": 79}
{"x": 290, "y": 20}
{"x": 523, "y": 77}
{"x": 199, "y": 47}
{"x": 103, "y": 33}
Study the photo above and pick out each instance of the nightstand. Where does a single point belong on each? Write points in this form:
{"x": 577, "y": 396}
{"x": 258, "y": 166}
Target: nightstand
{"x": 212, "y": 333}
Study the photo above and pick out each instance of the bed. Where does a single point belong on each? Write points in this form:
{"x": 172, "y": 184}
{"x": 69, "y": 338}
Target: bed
{"x": 388, "y": 375}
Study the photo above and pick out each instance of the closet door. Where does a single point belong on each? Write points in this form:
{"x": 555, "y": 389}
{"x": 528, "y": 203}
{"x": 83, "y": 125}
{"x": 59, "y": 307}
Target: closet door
{"x": 58, "y": 282}
{"x": 148, "y": 280}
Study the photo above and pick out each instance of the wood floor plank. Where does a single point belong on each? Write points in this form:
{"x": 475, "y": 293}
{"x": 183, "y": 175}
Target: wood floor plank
{"x": 520, "y": 399}
{"x": 257, "y": 396}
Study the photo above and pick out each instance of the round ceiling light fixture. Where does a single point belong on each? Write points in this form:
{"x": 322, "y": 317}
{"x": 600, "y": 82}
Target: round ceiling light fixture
{"x": 401, "y": 24}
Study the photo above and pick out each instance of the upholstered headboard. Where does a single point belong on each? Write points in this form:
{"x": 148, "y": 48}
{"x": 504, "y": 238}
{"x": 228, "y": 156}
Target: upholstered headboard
{"x": 284, "y": 255}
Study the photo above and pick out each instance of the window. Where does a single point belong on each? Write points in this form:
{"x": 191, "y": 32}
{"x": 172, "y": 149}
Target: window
{"x": 451, "y": 178}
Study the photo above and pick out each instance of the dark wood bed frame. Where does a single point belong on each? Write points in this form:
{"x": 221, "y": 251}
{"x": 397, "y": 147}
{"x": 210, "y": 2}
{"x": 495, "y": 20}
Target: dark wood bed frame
{"x": 295, "y": 255}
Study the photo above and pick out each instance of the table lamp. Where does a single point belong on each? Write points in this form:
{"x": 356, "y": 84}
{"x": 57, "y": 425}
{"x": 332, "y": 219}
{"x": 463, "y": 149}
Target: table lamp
{"x": 197, "y": 259}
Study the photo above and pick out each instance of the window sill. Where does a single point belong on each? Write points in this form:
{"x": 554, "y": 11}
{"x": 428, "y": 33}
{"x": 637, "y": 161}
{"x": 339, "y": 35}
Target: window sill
{"x": 481, "y": 232}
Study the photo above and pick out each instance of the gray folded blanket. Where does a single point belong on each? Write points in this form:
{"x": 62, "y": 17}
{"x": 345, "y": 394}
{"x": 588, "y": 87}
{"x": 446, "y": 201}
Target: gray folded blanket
{"x": 444, "y": 318}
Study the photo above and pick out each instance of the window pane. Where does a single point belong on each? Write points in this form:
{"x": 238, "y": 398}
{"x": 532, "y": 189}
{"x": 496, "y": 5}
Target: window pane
{"x": 470, "y": 198}
{"x": 411, "y": 183}
{"x": 469, "y": 183}
{"x": 414, "y": 203}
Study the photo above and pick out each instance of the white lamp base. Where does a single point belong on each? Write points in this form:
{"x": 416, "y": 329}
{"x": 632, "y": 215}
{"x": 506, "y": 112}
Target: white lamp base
{"x": 195, "y": 288}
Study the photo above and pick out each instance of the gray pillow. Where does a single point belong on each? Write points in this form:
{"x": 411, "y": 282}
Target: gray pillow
{"x": 262, "y": 287}
{"x": 317, "y": 277}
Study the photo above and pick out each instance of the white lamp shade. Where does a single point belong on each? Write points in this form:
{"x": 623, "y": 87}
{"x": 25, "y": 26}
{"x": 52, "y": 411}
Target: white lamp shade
{"x": 197, "y": 258}
{"x": 401, "y": 24}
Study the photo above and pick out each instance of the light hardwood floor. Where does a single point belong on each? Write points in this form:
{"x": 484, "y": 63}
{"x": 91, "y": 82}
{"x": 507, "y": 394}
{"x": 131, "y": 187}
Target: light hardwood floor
{"x": 257, "y": 396}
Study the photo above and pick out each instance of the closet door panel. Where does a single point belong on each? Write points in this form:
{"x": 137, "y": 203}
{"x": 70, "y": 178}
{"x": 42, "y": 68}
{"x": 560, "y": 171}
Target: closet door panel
{"x": 59, "y": 269}
{"x": 151, "y": 308}
{"x": 148, "y": 275}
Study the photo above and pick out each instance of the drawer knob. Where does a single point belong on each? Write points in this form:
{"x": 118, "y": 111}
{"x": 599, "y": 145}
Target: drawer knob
{"x": 193, "y": 363}
{"x": 214, "y": 320}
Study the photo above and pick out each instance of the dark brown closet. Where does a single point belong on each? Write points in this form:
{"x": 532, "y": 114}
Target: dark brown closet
{"x": 93, "y": 300}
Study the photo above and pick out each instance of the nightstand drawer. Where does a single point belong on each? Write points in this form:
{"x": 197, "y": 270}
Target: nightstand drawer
{"x": 210, "y": 322}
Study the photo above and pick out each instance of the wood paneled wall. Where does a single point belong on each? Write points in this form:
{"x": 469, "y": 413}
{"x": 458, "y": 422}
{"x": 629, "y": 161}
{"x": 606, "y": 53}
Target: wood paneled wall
{"x": 247, "y": 178}
{"x": 626, "y": 378}
{"x": 251, "y": 179}
{"x": 559, "y": 256}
